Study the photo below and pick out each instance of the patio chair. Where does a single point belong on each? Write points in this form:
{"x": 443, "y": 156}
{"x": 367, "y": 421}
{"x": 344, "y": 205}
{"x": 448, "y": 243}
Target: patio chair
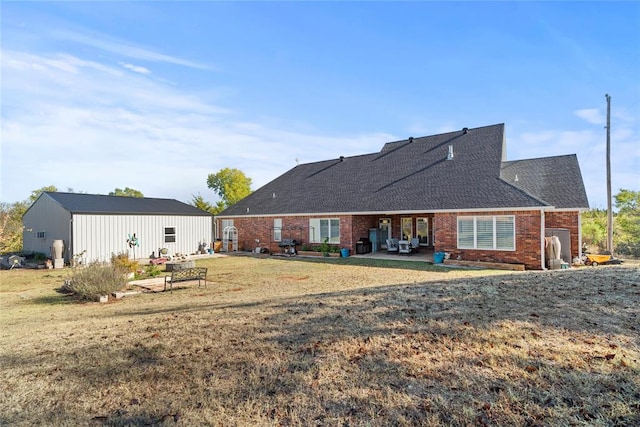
{"x": 392, "y": 246}
{"x": 404, "y": 247}
{"x": 415, "y": 244}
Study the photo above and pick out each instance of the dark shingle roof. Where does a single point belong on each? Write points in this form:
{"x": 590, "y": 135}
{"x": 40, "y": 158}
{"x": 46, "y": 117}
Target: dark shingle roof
{"x": 99, "y": 204}
{"x": 408, "y": 175}
{"x": 556, "y": 180}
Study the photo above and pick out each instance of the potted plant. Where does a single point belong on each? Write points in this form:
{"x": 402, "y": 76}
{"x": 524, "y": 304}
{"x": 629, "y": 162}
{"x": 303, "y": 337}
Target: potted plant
{"x": 324, "y": 247}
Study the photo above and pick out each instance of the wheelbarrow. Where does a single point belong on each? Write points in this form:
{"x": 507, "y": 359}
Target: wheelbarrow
{"x": 601, "y": 259}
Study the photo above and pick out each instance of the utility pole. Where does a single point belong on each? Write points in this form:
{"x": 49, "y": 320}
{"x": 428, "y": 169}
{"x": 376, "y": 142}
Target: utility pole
{"x": 609, "y": 197}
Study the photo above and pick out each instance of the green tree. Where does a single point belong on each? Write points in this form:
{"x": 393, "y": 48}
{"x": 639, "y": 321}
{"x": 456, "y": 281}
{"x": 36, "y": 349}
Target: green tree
{"x": 36, "y": 193}
{"x": 232, "y": 185}
{"x": 11, "y": 220}
{"x": 11, "y": 226}
{"x": 627, "y": 222}
{"x": 594, "y": 227}
{"x": 199, "y": 202}
{"x": 127, "y": 192}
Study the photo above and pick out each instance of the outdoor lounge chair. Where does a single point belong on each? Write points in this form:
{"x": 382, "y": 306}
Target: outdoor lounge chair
{"x": 415, "y": 244}
{"x": 392, "y": 245}
{"x": 403, "y": 247}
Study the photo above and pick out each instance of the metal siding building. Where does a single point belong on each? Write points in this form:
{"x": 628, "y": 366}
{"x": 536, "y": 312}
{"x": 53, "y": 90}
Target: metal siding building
{"x": 99, "y": 226}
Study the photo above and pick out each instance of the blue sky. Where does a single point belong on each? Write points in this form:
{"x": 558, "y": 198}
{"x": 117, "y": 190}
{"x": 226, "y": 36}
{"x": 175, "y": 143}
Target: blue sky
{"x": 157, "y": 95}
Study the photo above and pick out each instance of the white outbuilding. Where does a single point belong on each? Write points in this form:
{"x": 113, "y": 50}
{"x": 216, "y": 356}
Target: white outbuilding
{"x": 94, "y": 227}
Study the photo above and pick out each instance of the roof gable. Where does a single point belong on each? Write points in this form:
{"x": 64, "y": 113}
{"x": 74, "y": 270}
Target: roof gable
{"x": 407, "y": 175}
{"x": 119, "y": 205}
{"x": 556, "y": 180}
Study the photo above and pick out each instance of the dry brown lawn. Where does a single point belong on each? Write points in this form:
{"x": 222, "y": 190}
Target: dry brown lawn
{"x": 289, "y": 342}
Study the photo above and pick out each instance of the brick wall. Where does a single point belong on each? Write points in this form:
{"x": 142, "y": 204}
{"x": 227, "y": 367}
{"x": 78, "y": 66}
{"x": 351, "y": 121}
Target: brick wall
{"x": 527, "y": 251}
{"x": 568, "y": 220}
{"x": 352, "y": 228}
{"x": 361, "y": 225}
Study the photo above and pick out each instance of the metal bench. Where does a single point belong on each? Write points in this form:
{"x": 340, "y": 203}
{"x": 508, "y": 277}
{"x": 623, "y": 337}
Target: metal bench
{"x": 186, "y": 274}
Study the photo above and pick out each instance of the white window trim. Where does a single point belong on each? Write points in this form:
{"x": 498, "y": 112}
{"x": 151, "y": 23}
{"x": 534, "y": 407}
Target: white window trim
{"x": 165, "y": 234}
{"x": 277, "y": 229}
{"x": 475, "y": 232}
{"x": 314, "y": 230}
{"x": 403, "y": 221}
{"x": 423, "y": 220}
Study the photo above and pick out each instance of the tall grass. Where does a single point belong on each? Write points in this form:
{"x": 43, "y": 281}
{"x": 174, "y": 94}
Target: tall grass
{"x": 96, "y": 279}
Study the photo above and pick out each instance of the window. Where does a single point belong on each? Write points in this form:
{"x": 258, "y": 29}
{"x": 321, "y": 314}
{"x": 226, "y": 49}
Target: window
{"x": 505, "y": 232}
{"x": 486, "y": 232}
{"x": 407, "y": 228}
{"x": 324, "y": 228}
{"x": 422, "y": 230}
{"x": 41, "y": 234}
{"x": 169, "y": 234}
{"x": 277, "y": 229}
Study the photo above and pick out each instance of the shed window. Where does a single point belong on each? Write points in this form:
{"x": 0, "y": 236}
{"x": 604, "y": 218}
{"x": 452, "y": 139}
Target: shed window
{"x": 169, "y": 234}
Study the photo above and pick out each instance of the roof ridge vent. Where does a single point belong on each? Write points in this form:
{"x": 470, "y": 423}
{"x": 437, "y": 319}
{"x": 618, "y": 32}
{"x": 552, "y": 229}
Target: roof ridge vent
{"x": 410, "y": 139}
{"x": 465, "y": 130}
{"x": 341, "y": 158}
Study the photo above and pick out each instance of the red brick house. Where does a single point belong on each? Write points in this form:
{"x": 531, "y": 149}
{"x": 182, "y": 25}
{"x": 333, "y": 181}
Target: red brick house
{"x": 455, "y": 191}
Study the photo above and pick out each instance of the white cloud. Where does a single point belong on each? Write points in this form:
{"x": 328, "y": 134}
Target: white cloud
{"x": 91, "y": 127}
{"x": 121, "y": 47}
{"x": 136, "y": 68}
{"x": 591, "y": 115}
{"x": 78, "y": 123}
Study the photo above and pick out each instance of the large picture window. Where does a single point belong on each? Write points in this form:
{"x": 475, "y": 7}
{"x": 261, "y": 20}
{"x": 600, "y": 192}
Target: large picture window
{"x": 324, "y": 228}
{"x": 487, "y": 232}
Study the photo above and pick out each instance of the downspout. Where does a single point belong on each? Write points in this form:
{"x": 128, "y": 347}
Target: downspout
{"x": 542, "y": 228}
{"x": 579, "y": 235}
{"x": 70, "y": 245}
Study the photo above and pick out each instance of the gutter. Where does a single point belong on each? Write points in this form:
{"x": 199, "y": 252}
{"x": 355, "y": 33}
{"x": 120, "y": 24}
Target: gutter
{"x": 385, "y": 213}
{"x": 542, "y": 229}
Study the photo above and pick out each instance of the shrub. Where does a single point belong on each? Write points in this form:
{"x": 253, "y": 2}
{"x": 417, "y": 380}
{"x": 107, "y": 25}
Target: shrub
{"x": 121, "y": 260}
{"x": 95, "y": 279}
{"x": 152, "y": 270}
{"x": 324, "y": 248}
{"x": 39, "y": 256}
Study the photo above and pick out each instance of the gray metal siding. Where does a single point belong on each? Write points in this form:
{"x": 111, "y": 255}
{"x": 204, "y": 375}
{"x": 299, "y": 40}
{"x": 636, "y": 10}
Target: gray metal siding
{"x": 103, "y": 235}
{"x": 45, "y": 215}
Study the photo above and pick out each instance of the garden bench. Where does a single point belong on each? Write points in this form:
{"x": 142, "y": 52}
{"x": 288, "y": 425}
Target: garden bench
{"x": 185, "y": 274}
